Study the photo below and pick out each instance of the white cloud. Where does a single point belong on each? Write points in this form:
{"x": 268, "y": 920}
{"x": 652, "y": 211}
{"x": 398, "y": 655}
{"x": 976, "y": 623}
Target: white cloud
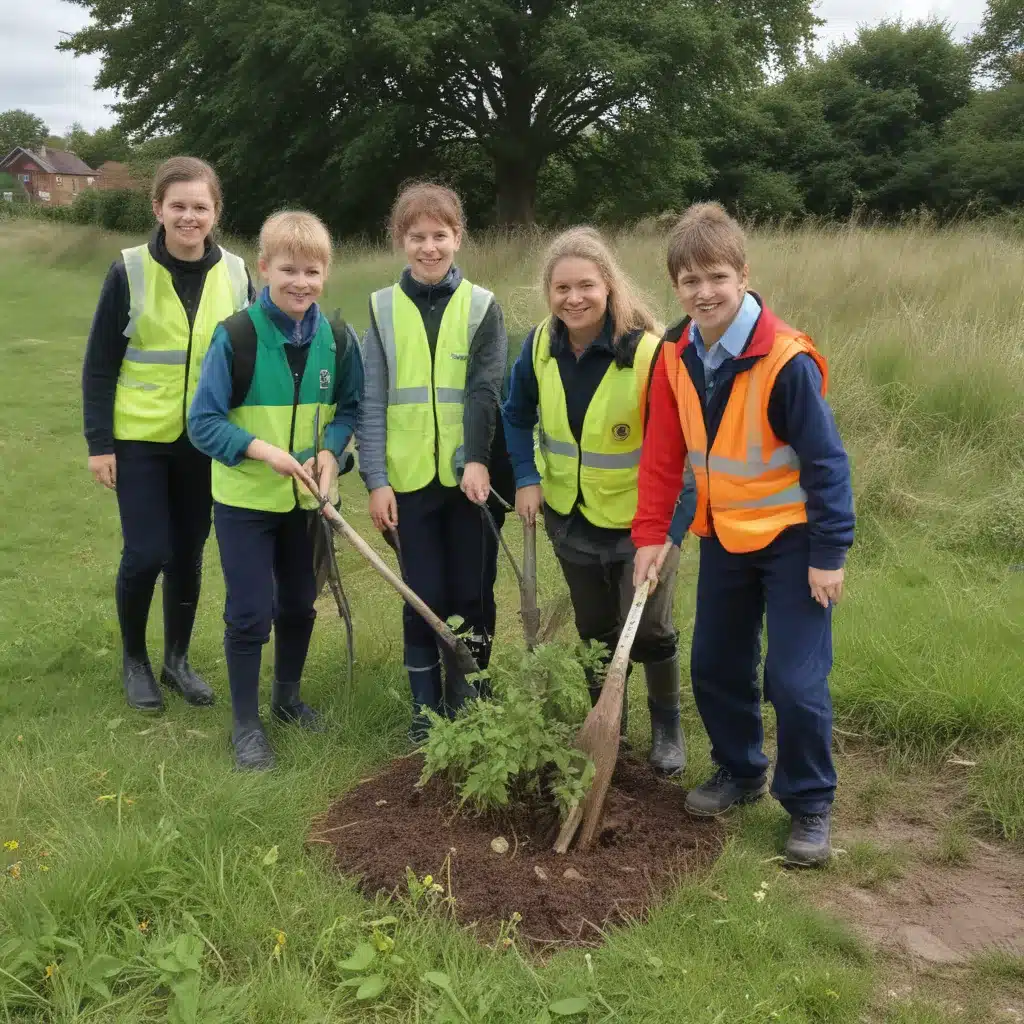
{"x": 59, "y": 87}
{"x": 35, "y": 76}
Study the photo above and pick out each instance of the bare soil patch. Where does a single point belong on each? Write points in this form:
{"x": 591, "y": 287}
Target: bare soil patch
{"x": 647, "y": 843}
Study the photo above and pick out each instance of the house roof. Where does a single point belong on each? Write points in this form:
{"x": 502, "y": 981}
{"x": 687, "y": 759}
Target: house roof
{"x": 53, "y": 161}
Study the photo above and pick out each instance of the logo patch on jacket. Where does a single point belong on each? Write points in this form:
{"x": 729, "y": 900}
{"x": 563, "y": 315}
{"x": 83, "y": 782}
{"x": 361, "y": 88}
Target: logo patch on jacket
{"x": 459, "y": 355}
{"x": 325, "y": 378}
{"x": 620, "y": 431}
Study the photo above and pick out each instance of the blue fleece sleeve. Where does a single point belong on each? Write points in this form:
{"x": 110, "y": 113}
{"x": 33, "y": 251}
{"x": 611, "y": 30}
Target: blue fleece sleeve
{"x": 802, "y": 418}
{"x": 209, "y": 428}
{"x": 685, "y": 510}
{"x": 519, "y": 416}
{"x": 349, "y": 391}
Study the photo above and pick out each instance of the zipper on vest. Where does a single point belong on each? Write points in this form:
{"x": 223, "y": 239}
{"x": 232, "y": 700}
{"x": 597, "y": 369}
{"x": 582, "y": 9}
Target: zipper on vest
{"x": 296, "y": 385}
{"x": 188, "y": 361}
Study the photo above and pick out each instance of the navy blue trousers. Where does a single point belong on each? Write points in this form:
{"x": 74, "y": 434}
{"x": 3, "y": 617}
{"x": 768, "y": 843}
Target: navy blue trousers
{"x": 163, "y": 496}
{"x": 734, "y": 593}
{"x": 267, "y": 558}
{"x": 450, "y": 559}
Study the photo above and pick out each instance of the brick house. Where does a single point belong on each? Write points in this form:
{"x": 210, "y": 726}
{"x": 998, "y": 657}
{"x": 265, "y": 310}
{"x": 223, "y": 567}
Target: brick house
{"x": 50, "y": 176}
{"x": 112, "y": 174}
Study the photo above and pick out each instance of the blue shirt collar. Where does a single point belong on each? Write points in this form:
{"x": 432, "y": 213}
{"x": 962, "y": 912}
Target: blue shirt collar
{"x": 734, "y": 341}
{"x": 296, "y": 332}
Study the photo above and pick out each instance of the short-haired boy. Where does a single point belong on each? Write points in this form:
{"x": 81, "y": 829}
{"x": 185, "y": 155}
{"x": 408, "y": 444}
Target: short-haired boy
{"x": 739, "y": 396}
{"x": 258, "y": 426}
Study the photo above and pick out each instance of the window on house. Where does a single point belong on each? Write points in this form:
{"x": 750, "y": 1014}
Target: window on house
{"x": 60, "y": 180}
{"x": 74, "y": 184}
{"x": 26, "y": 178}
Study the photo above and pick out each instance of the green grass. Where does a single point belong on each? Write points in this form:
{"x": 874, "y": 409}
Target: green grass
{"x": 121, "y": 819}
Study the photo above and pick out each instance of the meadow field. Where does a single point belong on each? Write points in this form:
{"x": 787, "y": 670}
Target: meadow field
{"x": 141, "y": 879}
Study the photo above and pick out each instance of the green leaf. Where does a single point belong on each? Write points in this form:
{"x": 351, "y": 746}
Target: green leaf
{"x": 439, "y": 980}
{"x": 361, "y": 959}
{"x": 569, "y": 1007}
{"x": 99, "y": 987}
{"x": 372, "y": 987}
{"x": 103, "y": 966}
{"x": 398, "y": 961}
{"x": 270, "y": 857}
{"x": 184, "y": 1008}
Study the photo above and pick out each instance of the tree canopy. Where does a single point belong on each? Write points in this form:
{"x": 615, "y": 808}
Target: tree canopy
{"x": 337, "y": 102}
{"x": 20, "y": 128}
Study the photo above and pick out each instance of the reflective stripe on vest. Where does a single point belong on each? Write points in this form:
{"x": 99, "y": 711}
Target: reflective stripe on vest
{"x": 161, "y": 363}
{"x": 748, "y": 487}
{"x": 426, "y": 398}
{"x": 271, "y": 413}
{"x": 603, "y": 477}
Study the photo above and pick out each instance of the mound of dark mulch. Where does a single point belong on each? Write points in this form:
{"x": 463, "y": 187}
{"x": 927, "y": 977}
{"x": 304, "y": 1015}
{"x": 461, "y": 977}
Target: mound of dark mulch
{"x": 646, "y": 843}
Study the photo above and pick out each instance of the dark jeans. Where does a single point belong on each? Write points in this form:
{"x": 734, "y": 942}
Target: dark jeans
{"x": 267, "y": 558}
{"x": 733, "y": 594}
{"x": 163, "y": 495}
{"x": 602, "y": 593}
{"x": 449, "y": 558}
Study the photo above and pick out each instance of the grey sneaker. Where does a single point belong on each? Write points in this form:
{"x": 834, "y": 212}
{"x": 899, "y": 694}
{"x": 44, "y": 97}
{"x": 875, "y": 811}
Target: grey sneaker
{"x": 722, "y": 792}
{"x": 809, "y": 844}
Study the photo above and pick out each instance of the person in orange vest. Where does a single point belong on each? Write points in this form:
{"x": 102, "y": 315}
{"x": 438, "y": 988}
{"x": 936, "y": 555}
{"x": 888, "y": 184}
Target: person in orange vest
{"x": 738, "y": 396}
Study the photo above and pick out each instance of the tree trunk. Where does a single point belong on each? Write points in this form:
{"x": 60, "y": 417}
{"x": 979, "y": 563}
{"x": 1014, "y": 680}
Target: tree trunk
{"x": 515, "y": 177}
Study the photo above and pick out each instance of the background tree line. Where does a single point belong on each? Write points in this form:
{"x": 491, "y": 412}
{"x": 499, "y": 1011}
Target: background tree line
{"x": 555, "y": 111}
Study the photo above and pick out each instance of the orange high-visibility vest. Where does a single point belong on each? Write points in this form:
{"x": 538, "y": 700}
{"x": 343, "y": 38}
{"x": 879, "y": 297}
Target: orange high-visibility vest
{"x": 748, "y": 485}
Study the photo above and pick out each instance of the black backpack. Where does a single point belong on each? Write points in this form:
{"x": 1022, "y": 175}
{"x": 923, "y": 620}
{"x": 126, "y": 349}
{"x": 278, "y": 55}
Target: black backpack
{"x": 242, "y": 335}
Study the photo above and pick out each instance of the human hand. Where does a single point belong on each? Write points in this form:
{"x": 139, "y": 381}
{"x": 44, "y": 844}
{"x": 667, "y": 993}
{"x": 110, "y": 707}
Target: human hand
{"x": 528, "y": 503}
{"x": 826, "y": 585}
{"x": 327, "y": 472}
{"x": 476, "y": 482}
{"x": 383, "y": 508}
{"x": 281, "y": 462}
{"x": 104, "y": 470}
{"x": 648, "y": 561}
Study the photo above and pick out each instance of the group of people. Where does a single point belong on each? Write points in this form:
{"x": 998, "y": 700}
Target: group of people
{"x": 204, "y": 399}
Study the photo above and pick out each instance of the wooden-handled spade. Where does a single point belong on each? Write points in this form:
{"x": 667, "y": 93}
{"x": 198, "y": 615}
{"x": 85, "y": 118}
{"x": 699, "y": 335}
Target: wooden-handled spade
{"x": 464, "y": 660}
{"x": 599, "y": 735}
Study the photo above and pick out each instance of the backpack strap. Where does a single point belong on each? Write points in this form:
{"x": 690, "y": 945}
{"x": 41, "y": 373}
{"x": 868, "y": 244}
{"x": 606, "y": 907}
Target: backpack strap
{"x": 341, "y": 342}
{"x": 242, "y": 336}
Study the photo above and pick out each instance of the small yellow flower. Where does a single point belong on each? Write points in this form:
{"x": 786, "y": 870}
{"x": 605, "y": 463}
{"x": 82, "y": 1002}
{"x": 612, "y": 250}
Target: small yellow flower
{"x": 44, "y": 867}
{"x": 428, "y": 879}
{"x": 281, "y": 938}
{"x": 144, "y": 925}
{"x": 15, "y": 870}
{"x": 51, "y": 970}
{"x": 11, "y": 844}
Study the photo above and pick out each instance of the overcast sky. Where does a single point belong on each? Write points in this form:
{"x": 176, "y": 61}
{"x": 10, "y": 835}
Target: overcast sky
{"x": 58, "y": 87}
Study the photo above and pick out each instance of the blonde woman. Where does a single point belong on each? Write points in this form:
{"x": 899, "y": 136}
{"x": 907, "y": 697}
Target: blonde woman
{"x": 582, "y": 377}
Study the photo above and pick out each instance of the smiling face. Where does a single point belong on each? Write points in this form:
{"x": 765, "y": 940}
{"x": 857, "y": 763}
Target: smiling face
{"x": 188, "y": 213}
{"x": 578, "y": 295}
{"x": 430, "y": 247}
{"x": 295, "y": 282}
{"x": 712, "y": 296}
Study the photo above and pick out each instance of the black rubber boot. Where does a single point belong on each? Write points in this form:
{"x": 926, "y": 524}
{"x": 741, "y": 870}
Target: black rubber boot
{"x": 177, "y": 673}
{"x": 140, "y": 688}
{"x": 253, "y": 752}
{"x": 425, "y": 687}
{"x": 809, "y": 843}
{"x": 286, "y": 707}
{"x": 457, "y": 689}
{"x": 668, "y": 745}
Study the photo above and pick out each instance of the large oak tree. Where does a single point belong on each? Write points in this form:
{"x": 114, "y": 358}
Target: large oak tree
{"x": 335, "y": 102}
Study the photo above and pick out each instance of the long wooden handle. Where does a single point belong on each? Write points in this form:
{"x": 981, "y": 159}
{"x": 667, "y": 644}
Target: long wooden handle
{"x": 528, "y": 587}
{"x": 443, "y": 630}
